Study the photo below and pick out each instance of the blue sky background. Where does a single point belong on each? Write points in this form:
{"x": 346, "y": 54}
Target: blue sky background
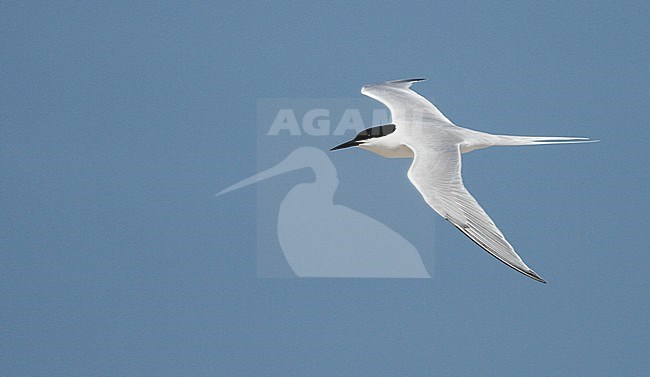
{"x": 120, "y": 121}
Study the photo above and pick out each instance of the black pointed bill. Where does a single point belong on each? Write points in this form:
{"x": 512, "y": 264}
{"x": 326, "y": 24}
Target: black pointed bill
{"x": 347, "y": 144}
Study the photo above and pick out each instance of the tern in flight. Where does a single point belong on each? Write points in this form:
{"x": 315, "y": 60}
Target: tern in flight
{"x": 419, "y": 130}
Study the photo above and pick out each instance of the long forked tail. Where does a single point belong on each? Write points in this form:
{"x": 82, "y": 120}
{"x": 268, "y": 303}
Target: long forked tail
{"x": 540, "y": 140}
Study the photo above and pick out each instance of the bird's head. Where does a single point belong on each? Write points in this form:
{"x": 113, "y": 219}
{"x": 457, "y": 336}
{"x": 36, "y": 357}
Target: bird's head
{"x": 366, "y": 135}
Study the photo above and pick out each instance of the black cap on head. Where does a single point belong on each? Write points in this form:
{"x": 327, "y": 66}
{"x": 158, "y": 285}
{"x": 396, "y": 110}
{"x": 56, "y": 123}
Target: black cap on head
{"x": 366, "y": 134}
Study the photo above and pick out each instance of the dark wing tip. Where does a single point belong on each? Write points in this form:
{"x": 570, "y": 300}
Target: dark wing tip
{"x": 408, "y": 80}
{"x": 404, "y": 84}
{"x": 533, "y": 275}
{"x": 530, "y": 273}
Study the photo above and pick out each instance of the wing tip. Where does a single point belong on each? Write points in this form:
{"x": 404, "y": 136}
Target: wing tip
{"x": 533, "y": 275}
{"x": 408, "y": 80}
{"x": 404, "y": 83}
{"x": 528, "y": 272}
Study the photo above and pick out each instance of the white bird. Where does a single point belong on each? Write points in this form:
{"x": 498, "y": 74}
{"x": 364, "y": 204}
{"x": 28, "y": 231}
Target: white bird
{"x": 420, "y": 131}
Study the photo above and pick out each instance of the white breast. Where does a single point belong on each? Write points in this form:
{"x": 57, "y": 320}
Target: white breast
{"x": 388, "y": 146}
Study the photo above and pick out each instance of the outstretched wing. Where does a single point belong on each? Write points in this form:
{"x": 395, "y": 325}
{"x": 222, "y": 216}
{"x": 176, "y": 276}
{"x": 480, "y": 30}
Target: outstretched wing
{"x": 405, "y": 105}
{"x": 436, "y": 173}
